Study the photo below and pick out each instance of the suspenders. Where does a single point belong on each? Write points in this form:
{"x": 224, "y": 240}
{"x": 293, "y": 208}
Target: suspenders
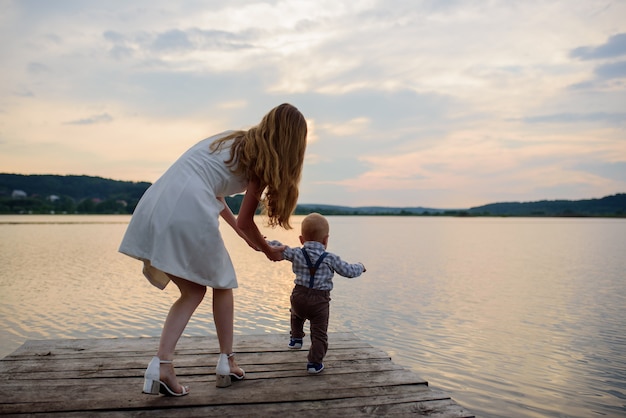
{"x": 313, "y": 268}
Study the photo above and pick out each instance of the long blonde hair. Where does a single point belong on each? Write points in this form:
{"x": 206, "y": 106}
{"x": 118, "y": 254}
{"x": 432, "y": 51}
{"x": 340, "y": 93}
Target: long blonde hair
{"x": 273, "y": 153}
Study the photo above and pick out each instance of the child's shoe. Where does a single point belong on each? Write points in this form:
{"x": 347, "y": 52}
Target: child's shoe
{"x": 295, "y": 343}
{"x": 314, "y": 368}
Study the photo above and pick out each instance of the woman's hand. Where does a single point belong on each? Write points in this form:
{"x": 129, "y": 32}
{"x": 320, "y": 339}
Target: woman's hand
{"x": 275, "y": 253}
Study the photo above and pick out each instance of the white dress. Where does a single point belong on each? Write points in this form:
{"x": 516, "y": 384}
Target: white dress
{"x": 175, "y": 226}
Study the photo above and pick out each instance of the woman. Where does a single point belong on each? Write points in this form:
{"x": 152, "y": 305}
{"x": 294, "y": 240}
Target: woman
{"x": 174, "y": 229}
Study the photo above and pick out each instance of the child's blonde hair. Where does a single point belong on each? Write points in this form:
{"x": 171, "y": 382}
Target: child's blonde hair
{"x": 315, "y": 227}
{"x": 273, "y": 152}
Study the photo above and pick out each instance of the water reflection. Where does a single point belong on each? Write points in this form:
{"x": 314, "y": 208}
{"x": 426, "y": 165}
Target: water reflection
{"x": 514, "y": 317}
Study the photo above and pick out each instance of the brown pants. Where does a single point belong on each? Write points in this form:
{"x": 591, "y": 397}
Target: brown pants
{"x": 313, "y": 305}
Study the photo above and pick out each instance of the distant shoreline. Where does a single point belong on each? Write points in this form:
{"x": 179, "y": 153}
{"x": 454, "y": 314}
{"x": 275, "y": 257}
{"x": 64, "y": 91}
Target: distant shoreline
{"x": 54, "y": 194}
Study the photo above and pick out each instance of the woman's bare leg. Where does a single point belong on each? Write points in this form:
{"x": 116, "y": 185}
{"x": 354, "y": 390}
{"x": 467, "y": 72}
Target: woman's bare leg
{"x": 191, "y": 295}
{"x": 223, "y": 315}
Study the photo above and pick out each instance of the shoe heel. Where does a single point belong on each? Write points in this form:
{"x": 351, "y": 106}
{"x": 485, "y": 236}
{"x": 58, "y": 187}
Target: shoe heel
{"x": 222, "y": 381}
{"x": 222, "y": 372}
{"x": 151, "y": 387}
{"x": 151, "y": 377}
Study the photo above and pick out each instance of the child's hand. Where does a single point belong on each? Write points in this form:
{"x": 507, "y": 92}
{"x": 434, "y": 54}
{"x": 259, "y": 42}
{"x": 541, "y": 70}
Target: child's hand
{"x": 275, "y": 253}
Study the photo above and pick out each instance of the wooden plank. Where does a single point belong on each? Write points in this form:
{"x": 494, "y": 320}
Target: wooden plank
{"x": 302, "y": 387}
{"x": 103, "y": 377}
{"x": 243, "y": 343}
{"x": 263, "y": 401}
{"x": 399, "y": 401}
{"x": 115, "y": 361}
{"x": 262, "y": 371}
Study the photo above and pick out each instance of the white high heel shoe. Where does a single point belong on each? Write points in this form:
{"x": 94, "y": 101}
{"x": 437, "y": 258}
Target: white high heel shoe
{"x": 152, "y": 383}
{"x": 223, "y": 375}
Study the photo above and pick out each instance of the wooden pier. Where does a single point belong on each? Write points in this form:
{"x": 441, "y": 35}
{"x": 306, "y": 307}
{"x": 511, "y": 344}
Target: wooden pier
{"x": 104, "y": 377}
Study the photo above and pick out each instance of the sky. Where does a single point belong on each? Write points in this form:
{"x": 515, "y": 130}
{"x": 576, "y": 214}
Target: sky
{"x": 438, "y": 103}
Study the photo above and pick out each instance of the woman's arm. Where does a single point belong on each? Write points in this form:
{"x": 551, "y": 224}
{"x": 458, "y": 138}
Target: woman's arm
{"x": 230, "y": 219}
{"x": 245, "y": 222}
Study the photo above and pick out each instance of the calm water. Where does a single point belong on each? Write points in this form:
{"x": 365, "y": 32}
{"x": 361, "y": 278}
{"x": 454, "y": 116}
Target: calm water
{"x": 512, "y": 317}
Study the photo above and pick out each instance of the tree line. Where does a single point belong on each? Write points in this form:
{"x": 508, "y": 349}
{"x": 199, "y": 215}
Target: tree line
{"x": 68, "y": 194}
{"x": 42, "y": 194}
{"x": 73, "y": 194}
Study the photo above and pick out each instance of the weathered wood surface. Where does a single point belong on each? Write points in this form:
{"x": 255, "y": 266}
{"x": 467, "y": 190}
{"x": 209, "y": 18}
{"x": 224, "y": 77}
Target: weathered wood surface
{"x": 103, "y": 378}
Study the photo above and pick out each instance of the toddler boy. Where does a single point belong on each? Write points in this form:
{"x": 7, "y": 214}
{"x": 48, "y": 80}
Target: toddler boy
{"x": 310, "y": 299}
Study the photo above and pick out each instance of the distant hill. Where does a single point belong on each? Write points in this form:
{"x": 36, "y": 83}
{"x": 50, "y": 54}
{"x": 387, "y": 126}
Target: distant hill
{"x": 614, "y": 206}
{"x": 607, "y": 206}
{"x": 304, "y": 208}
{"x": 42, "y": 193}
{"x": 77, "y": 187}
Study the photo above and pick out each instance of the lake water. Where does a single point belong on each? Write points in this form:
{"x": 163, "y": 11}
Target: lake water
{"x": 513, "y": 317}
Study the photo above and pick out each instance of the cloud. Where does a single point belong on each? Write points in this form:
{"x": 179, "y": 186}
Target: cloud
{"x": 172, "y": 40}
{"x": 610, "y": 170}
{"x": 102, "y": 118}
{"x": 24, "y": 92}
{"x": 611, "y": 70}
{"x": 347, "y": 128}
{"x": 447, "y": 103}
{"x": 614, "y": 47}
{"x": 598, "y": 117}
{"x": 37, "y": 68}
{"x": 608, "y": 74}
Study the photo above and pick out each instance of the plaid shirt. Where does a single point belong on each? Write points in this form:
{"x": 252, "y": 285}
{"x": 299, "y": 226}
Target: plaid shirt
{"x": 324, "y": 274}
